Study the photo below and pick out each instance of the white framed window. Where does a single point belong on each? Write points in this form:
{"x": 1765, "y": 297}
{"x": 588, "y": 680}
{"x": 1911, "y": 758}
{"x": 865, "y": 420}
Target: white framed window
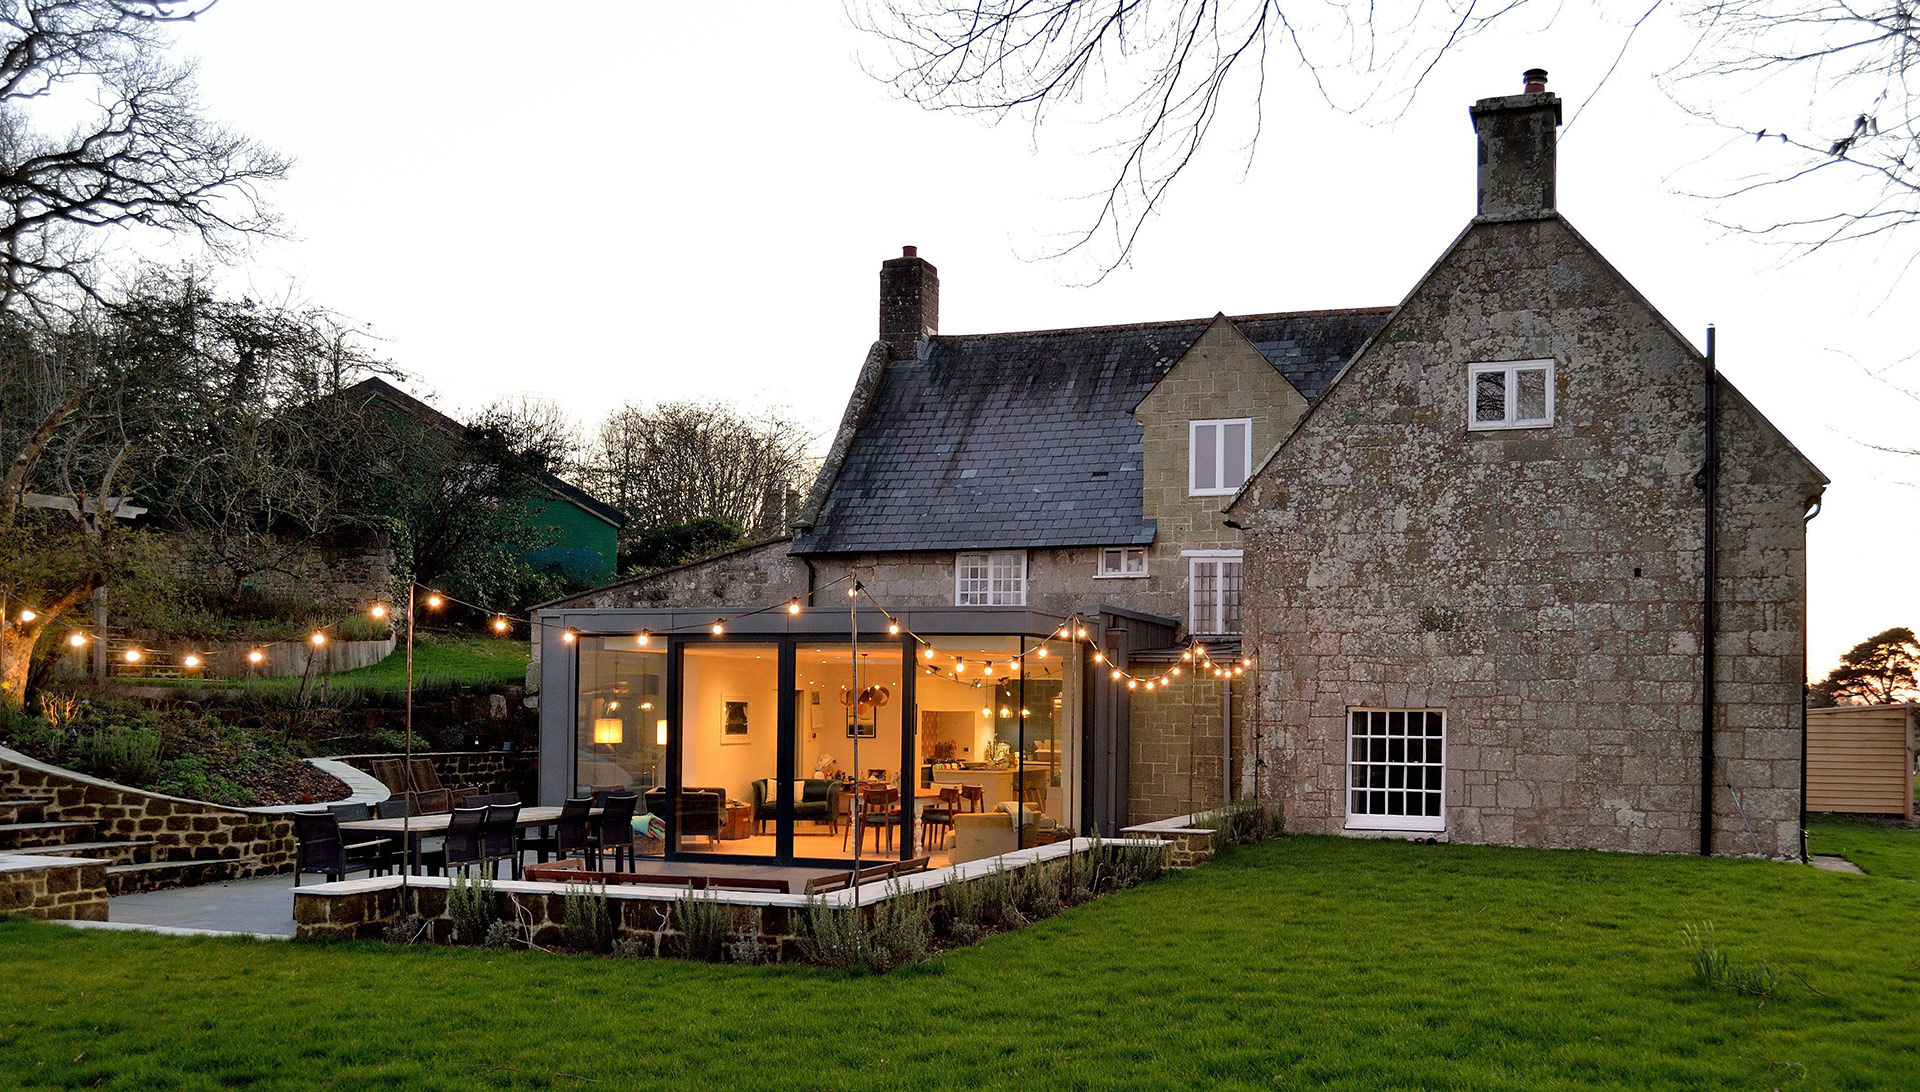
{"x": 1219, "y": 456}
{"x": 1123, "y": 561}
{"x": 1510, "y": 394}
{"x": 1213, "y": 591}
{"x": 996, "y": 578}
{"x": 1396, "y": 769}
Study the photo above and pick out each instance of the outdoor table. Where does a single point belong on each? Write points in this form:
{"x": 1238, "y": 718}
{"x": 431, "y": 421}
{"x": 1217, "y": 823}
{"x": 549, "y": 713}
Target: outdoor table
{"x": 416, "y": 827}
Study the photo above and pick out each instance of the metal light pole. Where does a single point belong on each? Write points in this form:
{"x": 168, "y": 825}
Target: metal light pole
{"x": 859, "y": 806}
{"x": 406, "y": 811}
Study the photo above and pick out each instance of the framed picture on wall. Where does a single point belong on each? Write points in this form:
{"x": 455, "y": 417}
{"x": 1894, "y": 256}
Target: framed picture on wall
{"x": 864, "y": 725}
{"x": 735, "y": 725}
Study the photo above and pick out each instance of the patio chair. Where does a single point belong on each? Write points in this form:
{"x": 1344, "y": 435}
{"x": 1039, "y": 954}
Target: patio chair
{"x": 461, "y": 846}
{"x": 566, "y": 837}
{"x": 498, "y": 841}
{"x": 322, "y": 850}
{"x": 505, "y": 798}
{"x": 350, "y": 813}
{"x": 395, "y": 808}
{"x": 433, "y": 802}
{"x": 474, "y": 800}
{"x": 614, "y": 831}
{"x": 422, "y": 776}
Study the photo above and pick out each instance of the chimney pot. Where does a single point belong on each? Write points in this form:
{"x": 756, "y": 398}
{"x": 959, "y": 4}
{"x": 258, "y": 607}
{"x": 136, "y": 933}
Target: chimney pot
{"x": 909, "y": 303}
{"x": 1536, "y": 81}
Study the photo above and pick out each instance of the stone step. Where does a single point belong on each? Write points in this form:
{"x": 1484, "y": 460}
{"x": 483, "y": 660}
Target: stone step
{"x": 23, "y": 835}
{"x": 22, "y": 809}
{"x": 126, "y": 879}
{"x": 117, "y": 853}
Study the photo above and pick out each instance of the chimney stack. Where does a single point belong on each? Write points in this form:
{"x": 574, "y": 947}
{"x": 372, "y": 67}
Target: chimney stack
{"x": 909, "y": 303}
{"x": 1517, "y": 134}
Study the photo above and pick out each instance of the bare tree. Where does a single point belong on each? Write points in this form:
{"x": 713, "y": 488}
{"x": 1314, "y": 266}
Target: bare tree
{"x": 1822, "y": 85}
{"x": 147, "y": 158}
{"x": 681, "y": 461}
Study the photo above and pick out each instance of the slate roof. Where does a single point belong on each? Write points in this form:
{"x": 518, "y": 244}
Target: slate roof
{"x": 1026, "y": 440}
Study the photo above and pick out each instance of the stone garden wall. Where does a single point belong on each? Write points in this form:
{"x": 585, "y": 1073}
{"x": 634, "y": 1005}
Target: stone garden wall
{"x": 53, "y": 888}
{"x": 489, "y": 771}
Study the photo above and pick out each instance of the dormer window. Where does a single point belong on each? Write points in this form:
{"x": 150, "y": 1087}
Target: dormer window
{"x": 1123, "y": 561}
{"x": 1510, "y": 394}
{"x": 1219, "y": 455}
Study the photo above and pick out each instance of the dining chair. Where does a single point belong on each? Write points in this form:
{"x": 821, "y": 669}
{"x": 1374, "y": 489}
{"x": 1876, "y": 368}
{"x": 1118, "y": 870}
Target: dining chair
{"x": 462, "y": 846}
{"x": 499, "y": 839}
{"x": 938, "y": 818}
{"x": 614, "y": 830}
{"x": 320, "y": 848}
{"x": 395, "y": 808}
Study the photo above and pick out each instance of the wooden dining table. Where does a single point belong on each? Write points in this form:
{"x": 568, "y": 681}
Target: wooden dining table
{"x": 415, "y": 827}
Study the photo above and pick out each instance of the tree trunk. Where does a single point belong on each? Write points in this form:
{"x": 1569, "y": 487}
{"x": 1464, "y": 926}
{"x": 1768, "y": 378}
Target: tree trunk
{"x": 16, "y": 662}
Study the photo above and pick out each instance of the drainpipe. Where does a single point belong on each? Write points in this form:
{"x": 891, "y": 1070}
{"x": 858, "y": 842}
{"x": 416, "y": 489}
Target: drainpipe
{"x": 1804, "y": 688}
{"x": 1226, "y": 741}
{"x": 1709, "y": 485}
{"x": 810, "y": 577}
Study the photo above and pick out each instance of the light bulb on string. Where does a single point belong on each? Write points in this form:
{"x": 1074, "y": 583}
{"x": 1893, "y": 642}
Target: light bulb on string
{"x": 893, "y": 629}
{"x": 27, "y": 616}
{"x": 433, "y": 599}
{"x": 719, "y": 627}
{"x": 78, "y": 640}
{"x": 131, "y": 655}
{"x": 500, "y": 625}
{"x": 568, "y": 636}
{"x": 255, "y": 656}
{"x": 318, "y": 639}
{"x": 1133, "y": 684}
{"x": 1116, "y": 674}
{"x": 1099, "y": 657}
{"x": 378, "y": 610}
{"x": 929, "y": 654}
{"x": 191, "y": 661}
{"x": 645, "y": 637}
{"x": 793, "y": 607}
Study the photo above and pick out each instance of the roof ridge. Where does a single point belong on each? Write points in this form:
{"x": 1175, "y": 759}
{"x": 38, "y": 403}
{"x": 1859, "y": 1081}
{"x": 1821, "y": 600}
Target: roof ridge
{"x": 1176, "y": 322}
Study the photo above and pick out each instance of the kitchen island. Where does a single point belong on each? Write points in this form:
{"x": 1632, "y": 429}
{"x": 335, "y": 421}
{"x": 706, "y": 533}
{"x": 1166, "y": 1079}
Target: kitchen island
{"x": 997, "y": 786}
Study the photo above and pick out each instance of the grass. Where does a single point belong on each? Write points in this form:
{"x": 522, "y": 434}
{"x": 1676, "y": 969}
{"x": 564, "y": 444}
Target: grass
{"x": 439, "y": 661}
{"x": 1298, "y": 963}
{"x": 1878, "y": 847}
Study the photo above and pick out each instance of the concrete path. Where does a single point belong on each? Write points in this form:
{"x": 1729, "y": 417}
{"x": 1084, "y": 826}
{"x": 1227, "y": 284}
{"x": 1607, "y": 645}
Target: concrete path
{"x": 1836, "y": 864}
{"x": 262, "y": 906}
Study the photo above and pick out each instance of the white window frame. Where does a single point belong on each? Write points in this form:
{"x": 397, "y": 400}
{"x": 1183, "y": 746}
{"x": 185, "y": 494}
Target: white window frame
{"x": 1219, "y": 456}
{"x": 1510, "y": 368}
{"x": 1007, "y": 567}
{"x": 1197, "y": 558}
{"x": 1367, "y": 820}
{"x": 1113, "y": 561}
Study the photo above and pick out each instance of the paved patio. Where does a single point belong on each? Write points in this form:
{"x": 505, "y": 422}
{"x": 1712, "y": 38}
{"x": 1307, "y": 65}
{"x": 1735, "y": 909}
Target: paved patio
{"x": 262, "y": 906}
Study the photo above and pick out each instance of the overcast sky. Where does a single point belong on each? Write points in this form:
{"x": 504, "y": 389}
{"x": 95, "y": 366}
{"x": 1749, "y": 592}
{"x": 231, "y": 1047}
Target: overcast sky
{"x": 619, "y": 203}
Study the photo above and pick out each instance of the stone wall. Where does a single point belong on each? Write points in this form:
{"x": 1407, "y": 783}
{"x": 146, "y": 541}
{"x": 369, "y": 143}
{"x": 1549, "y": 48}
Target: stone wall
{"x": 53, "y": 888}
{"x": 1173, "y": 735}
{"x": 346, "y": 571}
{"x": 220, "y": 843}
{"x": 1541, "y": 586}
{"x": 489, "y": 771}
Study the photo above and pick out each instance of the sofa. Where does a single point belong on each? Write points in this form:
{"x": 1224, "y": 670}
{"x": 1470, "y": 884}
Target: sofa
{"x": 702, "y": 811}
{"x": 818, "y": 802}
{"x": 977, "y": 835}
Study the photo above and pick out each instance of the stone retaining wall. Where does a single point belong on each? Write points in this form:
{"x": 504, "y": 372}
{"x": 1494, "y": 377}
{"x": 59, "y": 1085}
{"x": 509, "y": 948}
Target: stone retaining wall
{"x": 53, "y": 888}
{"x": 232, "y": 844}
{"x": 648, "y": 914}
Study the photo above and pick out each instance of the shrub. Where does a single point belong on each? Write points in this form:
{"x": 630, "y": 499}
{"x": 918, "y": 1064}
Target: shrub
{"x": 587, "y": 924}
{"x": 1714, "y": 969}
{"x": 632, "y": 948}
{"x": 964, "y": 905}
{"x": 831, "y": 936}
{"x": 128, "y": 755}
{"x": 408, "y": 930}
{"x": 1127, "y": 865}
{"x": 706, "y": 923}
{"x": 1000, "y": 897}
{"x": 902, "y": 926}
{"x": 750, "y": 948}
{"x": 504, "y": 934}
{"x": 1040, "y": 890}
{"x": 472, "y": 909}
{"x": 1240, "y": 823}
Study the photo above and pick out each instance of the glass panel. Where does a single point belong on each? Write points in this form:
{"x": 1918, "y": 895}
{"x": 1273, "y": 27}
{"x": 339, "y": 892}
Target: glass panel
{"x": 729, "y": 740}
{"x": 1530, "y": 394}
{"x": 1490, "y": 396}
{"x": 1233, "y": 456}
{"x": 847, "y": 748}
{"x": 1050, "y": 739}
{"x": 1008, "y": 583}
{"x": 975, "y": 747}
{"x": 972, "y": 582}
{"x": 1206, "y": 447}
{"x": 618, "y": 742}
{"x": 1230, "y": 597}
{"x": 1206, "y": 598}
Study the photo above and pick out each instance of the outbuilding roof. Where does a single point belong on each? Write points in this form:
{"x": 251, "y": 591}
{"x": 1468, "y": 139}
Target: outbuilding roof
{"x": 1026, "y": 440}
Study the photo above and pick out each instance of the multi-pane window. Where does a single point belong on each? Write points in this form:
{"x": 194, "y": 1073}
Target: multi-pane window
{"x": 1213, "y": 594}
{"x": 1123, "y": 561}
{"x": 1512, "y": 394}
{"x": 990, "y": 579}
{"x": 1396, "y": 769}
{"x": 1219, "y": 456}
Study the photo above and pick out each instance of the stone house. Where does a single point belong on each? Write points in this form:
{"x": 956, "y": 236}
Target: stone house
{"x": 1252, "y": 533}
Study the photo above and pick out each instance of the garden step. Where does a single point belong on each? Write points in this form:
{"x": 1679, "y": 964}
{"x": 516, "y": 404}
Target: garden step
{"x": 22, "y": 809}
{"x": 117, "y": 853}
{"x": 126, "y": 879}
{"x": 22, "y": 835}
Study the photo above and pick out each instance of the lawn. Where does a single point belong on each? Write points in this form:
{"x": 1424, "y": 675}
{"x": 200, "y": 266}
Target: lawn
{"x": 1302, "y": 963}
{"x": 439, "y": 660}
{"x": 1879, "y": 848}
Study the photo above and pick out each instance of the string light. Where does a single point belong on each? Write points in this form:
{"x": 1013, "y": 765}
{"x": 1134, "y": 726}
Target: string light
{"x": 719, "y": 627}
{"x": 1099, "y": 657}
{"x": 255, "y": 656}
{"x": 78, "y": 640}
{"x": 1116, "y": 674}
{"x": 568, "y": 636}
{"x": 499, "y": 625}
{"x": 793, "y": 607}
{"x": 929, "y": 654}
{"x": 1133, "y": 684}
{"x": 1043, "y": 652}
{"x": 131, "y": 655}
{"x": 378, "y": 610}
{"x": 318, "y": 639}
{"x": 893, "y": 629}
{"x": 646, "y": 636}
{"x": 27, "y": 616}
{"x": 191, "y": 661}
{"x": 433, "y": 599}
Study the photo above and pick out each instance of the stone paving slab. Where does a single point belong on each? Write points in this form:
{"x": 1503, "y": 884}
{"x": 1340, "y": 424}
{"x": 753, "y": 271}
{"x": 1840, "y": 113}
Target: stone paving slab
{"x": 262, "y": 906}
